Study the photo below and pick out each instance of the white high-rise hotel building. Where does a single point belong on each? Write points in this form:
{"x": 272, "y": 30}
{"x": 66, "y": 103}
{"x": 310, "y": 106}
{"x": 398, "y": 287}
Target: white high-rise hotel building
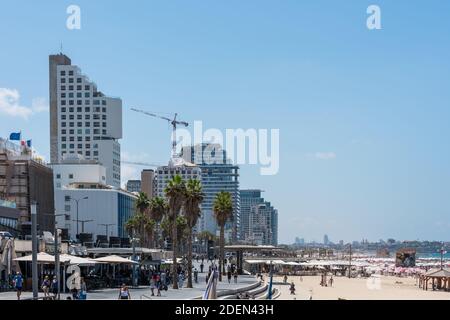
{"x": 83, "y": 121}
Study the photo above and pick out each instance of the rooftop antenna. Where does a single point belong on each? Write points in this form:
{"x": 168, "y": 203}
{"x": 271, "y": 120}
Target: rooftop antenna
{"x": 61, "y": 48}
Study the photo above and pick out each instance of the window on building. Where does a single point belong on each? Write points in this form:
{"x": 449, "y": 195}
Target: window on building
{"x": 87, "y": 94}
{"x": 71, "y": 139}
{"x": 63, "y": 109}
{"x": 67, "y": 208}
{"x": 63, "y": 139}
{"x": 71, "y": 102}
{"x": 103, "y": 102}
{"x": 63, "y": 102}
{"x": 63, "y": 117}
{"x": 70, "y": 80}
{"x": 70, "y": 175}
{"x": 63, "y": 88}
{"x": 87, "y": 109}
{"x": 79, "y": 88}
{"x": 71, "y": 146}
{"x": 80, "y": 146}
{"x": 70, "y": 72}
{"x": 96, "y": 102}
{"x": 71, "y": 124}
{"x": 103, "y": 132}
{"x": 63, "y": 124}
{"x": 79, "y": 116}
{"x": 79, "y": 80}
{"x": 87, "y": 117}
{"x": 70, "y": 88}
{"x": 63, "y": 80}
{"x": 71, "y": 131}
{"x": 79, "y": 124}
{"x": 63, "y": 131}
{"x": 87, "y": 131}
{"x": 79, "y": 95}
{"x": 79, "y": 131}
{"x": 71, "y": 117}
{"x": 88, "y": 153}
{"x": 71, "y": 109}
{"x": 79, "y": 138}
{"x": 62, "y": 73}
{"x": 87, "y": 124}
{"x": 87, "y": 102}
{"x": 63, "y": 146}
{"x": 87, "y": 87}
{"x": 70, "y": 94}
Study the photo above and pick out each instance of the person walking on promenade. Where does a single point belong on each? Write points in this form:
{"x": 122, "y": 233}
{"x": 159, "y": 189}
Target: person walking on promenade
{"x": 331, "y": 281}
{"x": 201, "y": 267}
{"x": 158, "y": 285}
{"x": 46, "y": 287}
{"x": 54, "y": 287}
{"x": 235, "y": 276}
{"x": 285, "y": 279}
{"x": 18, "y": 283}
{"x": 195, "y": 275}
{"x": 292, "y": 288}
{"x": 124, "y": 293}
{"x": 229, "y": 274}
{"x": 83, "y": 290}
{"x": 153, "y": 284}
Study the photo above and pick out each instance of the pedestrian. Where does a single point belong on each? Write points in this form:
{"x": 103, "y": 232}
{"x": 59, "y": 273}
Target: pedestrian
{"x": 83, "y": 290}
{"x": 195, "y": 275}
{"x": 229, "y": 274}
{"x": 208, "y": 276}
{"x": 54, "y": 287}
{"x": 153, "y": 284}
{"x": 235, "y": 276}
{"x": 158, "y": 285}
{"x": 124, "y": 293}
{"x": 285, "y": 278}
{"x": 292, "y": 288}
{"x": 18, "y": 283}
{"x": 180, "y": 280}
{"x": 201, "y": 267}
{"x": 46, "y": 286}
{"x": 331, "y": 281}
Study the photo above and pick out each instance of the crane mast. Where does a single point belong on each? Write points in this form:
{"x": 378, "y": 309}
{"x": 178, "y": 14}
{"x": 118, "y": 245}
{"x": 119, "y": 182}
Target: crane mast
{"x": 174, "y": 122}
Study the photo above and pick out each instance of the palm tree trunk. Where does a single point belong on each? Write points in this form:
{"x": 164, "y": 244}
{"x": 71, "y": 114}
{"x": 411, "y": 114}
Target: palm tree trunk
{"x": 174, "y": 258}
{"x": 189, "y": 284}
{"x": 221, "y": 251}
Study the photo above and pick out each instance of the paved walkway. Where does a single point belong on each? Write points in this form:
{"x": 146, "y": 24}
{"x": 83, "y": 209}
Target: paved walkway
{"x": 144, "y": 293}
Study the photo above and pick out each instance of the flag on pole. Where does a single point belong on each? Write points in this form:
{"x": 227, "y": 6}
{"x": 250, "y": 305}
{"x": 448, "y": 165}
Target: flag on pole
{"x": 211, "y": 288}
{"x": 15, "y": 136}
{"x": 29, "y": 143}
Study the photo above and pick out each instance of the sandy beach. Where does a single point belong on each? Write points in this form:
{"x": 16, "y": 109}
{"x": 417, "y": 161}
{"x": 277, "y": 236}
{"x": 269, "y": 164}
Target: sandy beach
{"x": 381, "y": 288}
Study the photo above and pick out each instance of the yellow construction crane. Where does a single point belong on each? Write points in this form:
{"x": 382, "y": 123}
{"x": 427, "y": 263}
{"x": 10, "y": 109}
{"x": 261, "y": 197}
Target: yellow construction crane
{"x": 174, "y": 122}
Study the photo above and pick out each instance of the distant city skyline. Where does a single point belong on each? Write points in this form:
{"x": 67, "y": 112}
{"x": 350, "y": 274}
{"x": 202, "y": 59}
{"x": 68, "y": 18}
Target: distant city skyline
{"x": 363, "y": 114}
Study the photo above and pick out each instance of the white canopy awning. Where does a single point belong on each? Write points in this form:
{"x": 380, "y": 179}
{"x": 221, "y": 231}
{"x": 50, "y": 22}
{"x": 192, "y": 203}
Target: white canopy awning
{"x": 114, "y": 260}
{"x": 78, "y": 260}
{"x": 42, "y": 257}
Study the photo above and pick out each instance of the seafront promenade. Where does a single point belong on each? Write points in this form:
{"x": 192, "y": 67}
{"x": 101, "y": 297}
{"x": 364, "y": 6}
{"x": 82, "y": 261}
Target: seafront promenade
{"x": 144, "y": 292}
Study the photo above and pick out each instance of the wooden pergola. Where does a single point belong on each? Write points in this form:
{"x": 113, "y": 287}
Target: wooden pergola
{"x": 440, "y": 280}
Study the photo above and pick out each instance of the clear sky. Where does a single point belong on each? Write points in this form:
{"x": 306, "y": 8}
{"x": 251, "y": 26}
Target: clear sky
{"x": 363, "y": 115}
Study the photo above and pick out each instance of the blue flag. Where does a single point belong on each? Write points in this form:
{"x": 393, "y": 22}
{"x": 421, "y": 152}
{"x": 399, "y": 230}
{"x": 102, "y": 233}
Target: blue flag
{"x": 29, "y": 143}
{"x": 15, "y": 136}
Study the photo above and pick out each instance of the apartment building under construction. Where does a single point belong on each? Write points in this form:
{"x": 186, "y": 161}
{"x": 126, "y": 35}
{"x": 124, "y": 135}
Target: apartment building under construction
{"x": 25, "y": 179}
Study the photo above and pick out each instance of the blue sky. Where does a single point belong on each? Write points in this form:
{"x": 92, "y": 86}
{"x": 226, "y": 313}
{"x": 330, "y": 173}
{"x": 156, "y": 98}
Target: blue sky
{"x": 376, "y": 100}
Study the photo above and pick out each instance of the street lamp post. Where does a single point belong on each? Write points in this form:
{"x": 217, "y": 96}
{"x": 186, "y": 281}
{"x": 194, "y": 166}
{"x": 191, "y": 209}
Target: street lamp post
{"x": 34, "y": 244}
{"x": 350, "y": 263}
{"x": 77, "y": 202}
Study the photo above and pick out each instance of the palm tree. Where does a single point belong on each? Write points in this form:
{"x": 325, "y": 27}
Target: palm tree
{"x": 193, "y": 199}
{"x": 158, "y": 209}
{"x": 204, "y": 237}
{"x": 223, "y": 211}
{"x": 142, "y": 202}
{"x": 175, "y": 192}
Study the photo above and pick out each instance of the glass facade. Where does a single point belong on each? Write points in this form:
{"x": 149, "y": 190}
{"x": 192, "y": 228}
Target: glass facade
{"x": 125, "y": 209}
